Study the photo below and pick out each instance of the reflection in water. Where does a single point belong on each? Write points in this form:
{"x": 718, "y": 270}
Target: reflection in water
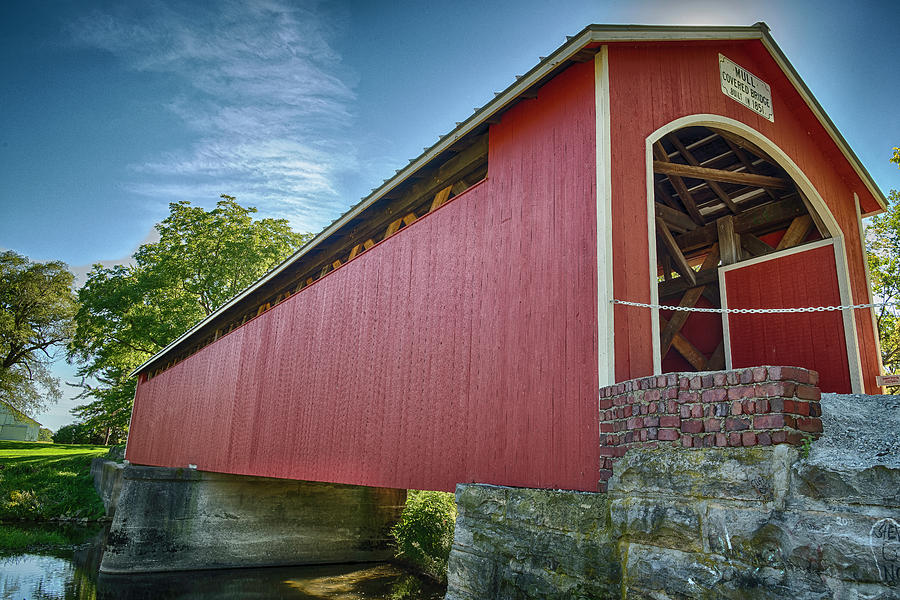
{"x": 75, "y": 577}
{"x": 335, "y": 582}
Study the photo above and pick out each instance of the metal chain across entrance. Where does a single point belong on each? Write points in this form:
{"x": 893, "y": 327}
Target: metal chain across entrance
{"x": 752, "y": 310}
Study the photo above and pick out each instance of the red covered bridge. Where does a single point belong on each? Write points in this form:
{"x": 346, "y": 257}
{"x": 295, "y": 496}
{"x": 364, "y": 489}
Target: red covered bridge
{"x": 457, "y": 324}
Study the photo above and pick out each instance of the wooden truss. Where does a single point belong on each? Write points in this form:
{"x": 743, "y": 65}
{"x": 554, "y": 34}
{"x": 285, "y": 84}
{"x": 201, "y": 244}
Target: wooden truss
{"x": 716, "y": 197}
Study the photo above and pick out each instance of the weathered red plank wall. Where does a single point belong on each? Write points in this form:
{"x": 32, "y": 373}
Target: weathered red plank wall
{"x": 654, "y": 84}
{"x": 461, "y": 349}
{"x": 813, "y": 340}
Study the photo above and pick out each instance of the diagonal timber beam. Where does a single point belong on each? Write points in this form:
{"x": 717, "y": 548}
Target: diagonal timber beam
{"x": 666, "y": 197}
{"x": 440, "y": 198}
{"x": 687, "y": 349}
{"x": 820, "y": 224}
{"x": 796, "y": 232}
{"x": 717, "y": 360}
{"x": 675, "y": 219}
{"x": 662, "y": 157}
{"x": 681, "y": 264}
{"x": 755, "y": 246}
{"x": 689, "y": 300}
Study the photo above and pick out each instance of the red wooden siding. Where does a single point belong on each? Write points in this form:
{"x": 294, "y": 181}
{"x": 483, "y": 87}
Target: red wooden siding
{"x": 810, "y": 340}
{"x": 654, "y": 84}
{"x": 461, "y": 349}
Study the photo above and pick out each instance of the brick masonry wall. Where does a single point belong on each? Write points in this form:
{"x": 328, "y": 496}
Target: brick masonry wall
{"x": 760, "y": 406}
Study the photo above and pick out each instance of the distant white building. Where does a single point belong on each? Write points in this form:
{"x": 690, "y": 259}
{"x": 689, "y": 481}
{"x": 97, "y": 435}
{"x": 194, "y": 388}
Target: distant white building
{"x": 16, "y": 425}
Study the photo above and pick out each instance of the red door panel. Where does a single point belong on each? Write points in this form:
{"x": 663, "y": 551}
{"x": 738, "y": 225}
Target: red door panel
{"x": 814, "y": 340}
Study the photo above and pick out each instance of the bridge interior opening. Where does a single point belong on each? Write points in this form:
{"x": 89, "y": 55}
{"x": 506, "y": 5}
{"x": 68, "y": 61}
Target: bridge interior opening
{"x": 719, "y": 200}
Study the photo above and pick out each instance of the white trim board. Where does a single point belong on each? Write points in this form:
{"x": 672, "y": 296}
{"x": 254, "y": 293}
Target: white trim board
{"x": 651, "y": 241}
{"x": 850, "y": 345}
{"x": 862, "y": 244}
{"x": 606, "y": 349}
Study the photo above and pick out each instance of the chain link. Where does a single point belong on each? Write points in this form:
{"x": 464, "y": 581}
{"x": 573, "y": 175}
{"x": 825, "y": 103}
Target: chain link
{"x": 752, "y": 310}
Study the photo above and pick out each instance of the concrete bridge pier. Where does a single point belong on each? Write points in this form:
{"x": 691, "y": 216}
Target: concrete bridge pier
{"x": 171, "y": 519}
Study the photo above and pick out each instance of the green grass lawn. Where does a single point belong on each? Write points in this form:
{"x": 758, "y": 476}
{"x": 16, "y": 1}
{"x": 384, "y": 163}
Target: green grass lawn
{"x": 42, "y": 481}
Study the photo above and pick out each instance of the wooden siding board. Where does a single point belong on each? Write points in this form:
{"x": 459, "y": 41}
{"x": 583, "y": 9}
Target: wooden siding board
{"x": 444, "y": 354}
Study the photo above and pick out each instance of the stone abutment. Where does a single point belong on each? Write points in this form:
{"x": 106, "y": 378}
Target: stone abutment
{"x": 714, "y": 488}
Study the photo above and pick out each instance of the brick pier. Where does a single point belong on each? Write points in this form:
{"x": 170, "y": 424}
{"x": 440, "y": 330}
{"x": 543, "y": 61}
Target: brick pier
{"x": 760, "y": 406}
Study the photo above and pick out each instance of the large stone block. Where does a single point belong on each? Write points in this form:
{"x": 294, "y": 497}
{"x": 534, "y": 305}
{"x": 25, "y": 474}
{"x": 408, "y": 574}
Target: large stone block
{"x": 750, "y": 474}
{"x": 513, "y": 543}
{"x": 665, "y": 573}
{"x": 833, "y": 544}
{"x": 179, "y": 519}
{"x": 822, "y": 485}
{"x": 672, "y": 524}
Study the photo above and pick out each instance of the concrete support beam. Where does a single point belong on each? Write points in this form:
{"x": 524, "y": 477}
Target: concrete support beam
{"x": 180, "y": 519}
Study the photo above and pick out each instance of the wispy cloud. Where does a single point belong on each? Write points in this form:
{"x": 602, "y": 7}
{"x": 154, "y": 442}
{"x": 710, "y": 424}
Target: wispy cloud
{"x": 261, "y": 89}
{"x": 81, "y": 271}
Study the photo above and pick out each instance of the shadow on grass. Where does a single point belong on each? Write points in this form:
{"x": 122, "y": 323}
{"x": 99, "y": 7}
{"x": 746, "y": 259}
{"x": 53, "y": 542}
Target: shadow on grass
{"x": 41, "y": 481}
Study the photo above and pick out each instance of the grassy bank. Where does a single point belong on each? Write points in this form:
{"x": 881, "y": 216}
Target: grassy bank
{"x": 53, "y": 538}
{"x": 42, "y": 481}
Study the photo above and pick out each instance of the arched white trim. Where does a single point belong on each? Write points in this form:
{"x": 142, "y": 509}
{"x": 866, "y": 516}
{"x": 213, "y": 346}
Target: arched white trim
{"x": 805, "y": 185}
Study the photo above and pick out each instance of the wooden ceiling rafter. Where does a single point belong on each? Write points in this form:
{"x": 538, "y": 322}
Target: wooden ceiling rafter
{"x": 748, "y": 164}
{"x": 713, "y": 185}
{"x": 743, "y": 143}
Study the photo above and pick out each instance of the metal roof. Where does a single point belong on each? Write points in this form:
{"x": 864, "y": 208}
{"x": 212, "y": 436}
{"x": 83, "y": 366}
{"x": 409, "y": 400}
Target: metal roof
{"x": 591, "y": 35}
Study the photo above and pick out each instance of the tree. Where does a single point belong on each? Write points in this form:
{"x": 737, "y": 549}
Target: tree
{"x": 77, "y": 433}
{"x": 36, "y": 309}
{"x": 883, "y": 248}
{"x": 128, "y": 313}
{"x": 424, "y": 532}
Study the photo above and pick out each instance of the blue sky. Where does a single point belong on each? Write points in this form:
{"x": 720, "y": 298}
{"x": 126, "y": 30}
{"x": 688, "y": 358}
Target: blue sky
{"x": 110, "y": 110}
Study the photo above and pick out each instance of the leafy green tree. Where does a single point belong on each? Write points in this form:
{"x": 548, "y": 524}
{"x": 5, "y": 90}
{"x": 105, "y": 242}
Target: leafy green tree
{"x": 128, "y": 313}
{"x": 78, "y": 433}
{"x": 45, "y": 435}
{"x": 883, "y": 246}
{"x": 424, "y": 533}
{"x": 36, "y": 309}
